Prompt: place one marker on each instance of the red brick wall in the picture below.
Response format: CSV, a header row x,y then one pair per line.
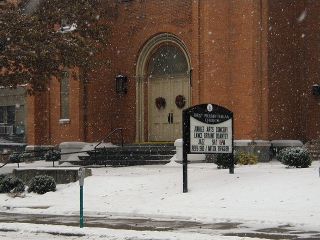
x,y
293,49
310,54
284,70
229,70
43,115
73,130
101,95
37,119
224,53
246,55
135,23
221,37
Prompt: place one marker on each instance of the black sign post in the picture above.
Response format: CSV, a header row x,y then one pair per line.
x,y
207,129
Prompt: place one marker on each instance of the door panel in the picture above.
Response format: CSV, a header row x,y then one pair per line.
x,y
180,86
159,127
166,124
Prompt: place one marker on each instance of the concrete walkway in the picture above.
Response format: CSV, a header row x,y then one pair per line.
x,y
149,224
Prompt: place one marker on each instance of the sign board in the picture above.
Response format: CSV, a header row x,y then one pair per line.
x,y
210,129
81,174
207,129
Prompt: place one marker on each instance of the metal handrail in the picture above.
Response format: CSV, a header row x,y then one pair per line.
x,y
6,129
95,148
110,134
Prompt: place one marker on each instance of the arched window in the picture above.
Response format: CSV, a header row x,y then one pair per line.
x,y
168,60
64,95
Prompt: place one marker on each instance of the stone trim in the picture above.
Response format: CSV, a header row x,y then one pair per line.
x,y
142,60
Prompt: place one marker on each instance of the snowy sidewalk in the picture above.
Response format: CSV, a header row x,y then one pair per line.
x,y
153,226
51,232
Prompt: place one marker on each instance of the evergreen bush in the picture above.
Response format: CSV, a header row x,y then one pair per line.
x,y
245,158
25,157
11,184
15,157
42,184
52,155
223,161
2,176
295,157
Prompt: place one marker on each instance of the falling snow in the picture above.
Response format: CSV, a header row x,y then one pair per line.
x,y
302,16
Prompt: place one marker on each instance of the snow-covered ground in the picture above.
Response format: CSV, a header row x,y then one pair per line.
x,y
266,193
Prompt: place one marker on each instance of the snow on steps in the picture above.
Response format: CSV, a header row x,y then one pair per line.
x,y
108,154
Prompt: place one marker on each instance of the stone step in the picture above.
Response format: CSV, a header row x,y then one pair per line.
x,y
123,162
125,157
133,151
129,155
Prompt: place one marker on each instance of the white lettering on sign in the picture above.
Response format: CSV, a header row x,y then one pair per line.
x,y
210,138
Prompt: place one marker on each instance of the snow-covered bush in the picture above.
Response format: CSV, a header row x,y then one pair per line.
x,y
2,176
295,157
52,155
25,157
20,157
245,158
15,157
42,184
11,184
223,160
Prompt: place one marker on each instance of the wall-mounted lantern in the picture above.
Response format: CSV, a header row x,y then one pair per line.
x,y
316,89
121,84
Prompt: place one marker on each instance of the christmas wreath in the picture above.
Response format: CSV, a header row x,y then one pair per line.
x,y
180,101
160,102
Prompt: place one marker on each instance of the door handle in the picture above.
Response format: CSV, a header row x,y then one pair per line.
x,y
170,118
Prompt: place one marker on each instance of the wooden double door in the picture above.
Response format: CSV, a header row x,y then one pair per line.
x,y
167,97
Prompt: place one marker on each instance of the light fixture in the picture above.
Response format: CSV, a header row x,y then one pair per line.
x,y
121,84
316,90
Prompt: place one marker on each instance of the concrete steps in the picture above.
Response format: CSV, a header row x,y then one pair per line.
x,y
129,155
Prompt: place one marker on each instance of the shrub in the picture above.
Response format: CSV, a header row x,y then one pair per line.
x,y
11,184
15,157
25,156
223,160
42,184
295,157
245,158
52,155
2,176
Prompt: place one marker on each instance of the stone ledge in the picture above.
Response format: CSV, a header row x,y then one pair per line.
x,y
60,175
286,143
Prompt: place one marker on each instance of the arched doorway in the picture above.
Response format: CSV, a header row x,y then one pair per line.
x,y
163,89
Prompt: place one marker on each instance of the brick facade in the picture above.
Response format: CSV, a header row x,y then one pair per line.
x,y
244,55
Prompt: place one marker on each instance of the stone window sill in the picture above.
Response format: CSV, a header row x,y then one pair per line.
x,y
64,121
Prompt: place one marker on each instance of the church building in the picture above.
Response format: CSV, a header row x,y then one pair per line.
x,y
258,58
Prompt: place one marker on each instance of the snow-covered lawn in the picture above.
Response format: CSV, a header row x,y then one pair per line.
x,y
266,192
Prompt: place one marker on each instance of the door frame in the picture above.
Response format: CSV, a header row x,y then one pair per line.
x,y
141,77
